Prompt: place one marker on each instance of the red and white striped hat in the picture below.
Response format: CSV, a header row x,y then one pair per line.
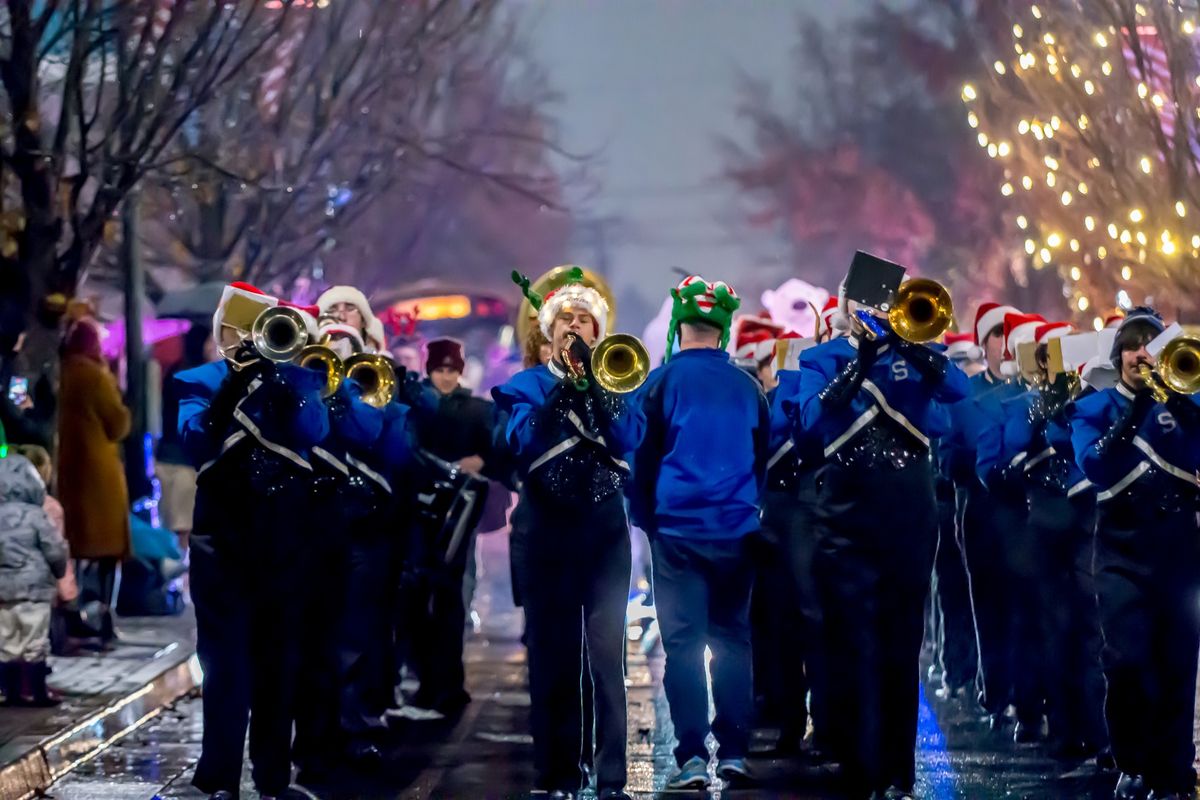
x,y
754,337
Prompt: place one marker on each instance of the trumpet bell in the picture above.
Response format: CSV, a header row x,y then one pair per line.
x,y
1179,364
923,310
620,363
320,357
375,374
279,334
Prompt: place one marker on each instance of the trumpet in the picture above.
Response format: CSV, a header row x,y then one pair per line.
x,y
280,334
923,311
1178,369
322,357
620,363
376,376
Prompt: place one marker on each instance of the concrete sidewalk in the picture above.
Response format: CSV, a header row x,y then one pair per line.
x,y
106,696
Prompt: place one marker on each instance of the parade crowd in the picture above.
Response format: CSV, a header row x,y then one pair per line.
x,y
816,508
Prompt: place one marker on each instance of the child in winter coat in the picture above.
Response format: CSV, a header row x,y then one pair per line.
x,y
33,556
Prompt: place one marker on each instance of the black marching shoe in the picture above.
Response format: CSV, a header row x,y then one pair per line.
x,y
1170,796
221,795
1028,732
1130,787
896,793
613,794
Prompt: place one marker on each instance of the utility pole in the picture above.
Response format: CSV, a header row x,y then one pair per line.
x,y
135,351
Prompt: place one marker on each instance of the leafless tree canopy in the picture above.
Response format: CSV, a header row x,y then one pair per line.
x,y
1093,112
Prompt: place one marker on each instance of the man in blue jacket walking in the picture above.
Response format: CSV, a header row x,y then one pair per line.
x,y
1143,455
700,474
875,403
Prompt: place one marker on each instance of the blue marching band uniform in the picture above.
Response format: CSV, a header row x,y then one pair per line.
x,y
1063,524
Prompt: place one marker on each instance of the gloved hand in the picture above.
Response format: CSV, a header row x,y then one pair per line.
x,y
229,394
1123,429
932,365
845,384
1184,410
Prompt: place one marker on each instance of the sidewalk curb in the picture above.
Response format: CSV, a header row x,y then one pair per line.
x,y
33,772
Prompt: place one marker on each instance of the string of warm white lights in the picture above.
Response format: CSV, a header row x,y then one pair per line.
x,y
1094,122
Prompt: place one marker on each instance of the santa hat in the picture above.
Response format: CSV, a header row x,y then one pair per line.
x,y
340,330
754,337
445,352
573,293
1114,320
252,302
1051,330
962,347
372,327
832,318
988,317
1018,329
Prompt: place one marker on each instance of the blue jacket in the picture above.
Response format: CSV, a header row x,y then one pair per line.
x,y
701,469
290,436
522,398
788,436
973,420
1029,448
1161,446
892,387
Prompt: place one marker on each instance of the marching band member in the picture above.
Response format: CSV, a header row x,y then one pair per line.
x,y
1061,517
980,536
1021,562
248,426
1142,455
790,508
875,403
572,440
698,512
349,305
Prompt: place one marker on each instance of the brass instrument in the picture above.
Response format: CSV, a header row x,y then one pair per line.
x,y
322,357
1179,364
376,376
279,334
620,363
1178,369
923,310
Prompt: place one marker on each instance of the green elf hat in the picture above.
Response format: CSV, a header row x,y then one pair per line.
x,y
697,300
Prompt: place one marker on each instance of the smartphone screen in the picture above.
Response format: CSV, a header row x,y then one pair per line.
x,y
18,390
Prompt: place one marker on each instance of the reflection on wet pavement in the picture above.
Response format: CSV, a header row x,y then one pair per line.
x,y
488,753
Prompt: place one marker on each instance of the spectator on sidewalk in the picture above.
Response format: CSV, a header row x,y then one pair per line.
x,y
64,621
91,478
176,475
33,555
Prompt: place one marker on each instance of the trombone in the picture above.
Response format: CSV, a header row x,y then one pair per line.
x,y
923,311
1178,369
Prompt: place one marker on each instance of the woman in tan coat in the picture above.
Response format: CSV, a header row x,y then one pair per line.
x,y
92,420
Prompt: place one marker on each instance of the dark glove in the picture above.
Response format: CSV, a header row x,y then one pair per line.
x,y
932,365
583,354
845,384
228,395
1123,429
1184,410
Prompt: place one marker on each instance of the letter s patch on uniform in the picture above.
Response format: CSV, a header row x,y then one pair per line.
x,y
900,370
1167,422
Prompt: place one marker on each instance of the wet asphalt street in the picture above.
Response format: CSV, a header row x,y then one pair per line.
x,y
487,753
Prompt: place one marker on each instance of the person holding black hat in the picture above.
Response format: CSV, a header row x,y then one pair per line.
x,y
459,433
1143,455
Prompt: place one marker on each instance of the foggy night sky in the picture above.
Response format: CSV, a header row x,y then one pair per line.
x,y
652,85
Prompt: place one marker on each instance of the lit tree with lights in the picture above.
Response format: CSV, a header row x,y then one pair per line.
x,y
1093,114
